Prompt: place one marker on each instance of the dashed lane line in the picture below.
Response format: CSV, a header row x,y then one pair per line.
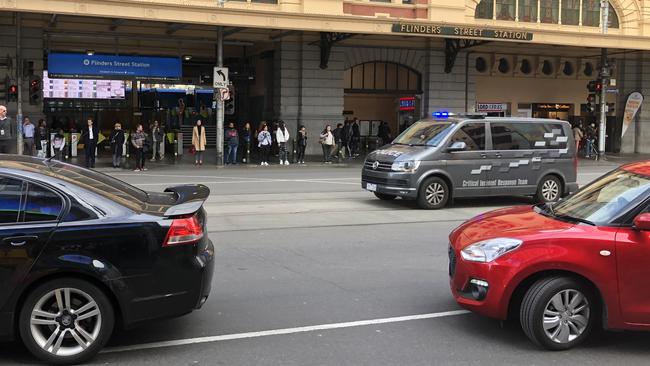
x,y
285,331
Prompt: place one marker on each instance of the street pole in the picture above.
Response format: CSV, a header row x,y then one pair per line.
x,y
604,76
220,110
19,83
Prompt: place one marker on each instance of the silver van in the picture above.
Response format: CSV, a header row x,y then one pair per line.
x,y
439,159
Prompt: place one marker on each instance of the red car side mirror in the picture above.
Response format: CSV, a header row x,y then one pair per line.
x,y
642,222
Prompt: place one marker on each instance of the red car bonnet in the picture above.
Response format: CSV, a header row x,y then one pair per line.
x,y
515,222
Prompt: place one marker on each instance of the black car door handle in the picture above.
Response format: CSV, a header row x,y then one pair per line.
x,y
19,241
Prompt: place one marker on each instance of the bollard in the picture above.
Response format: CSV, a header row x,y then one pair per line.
x,y
248,152
293,147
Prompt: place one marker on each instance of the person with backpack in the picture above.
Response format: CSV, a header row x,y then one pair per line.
x,y
339,142
302,144
117,143
282,137
232,139
327,142
264,143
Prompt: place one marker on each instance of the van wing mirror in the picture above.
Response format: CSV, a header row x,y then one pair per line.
x,y
457,146
642,222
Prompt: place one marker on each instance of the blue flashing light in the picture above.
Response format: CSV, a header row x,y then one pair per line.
x,y
441,114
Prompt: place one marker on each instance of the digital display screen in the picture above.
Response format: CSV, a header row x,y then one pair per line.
x,y
82,88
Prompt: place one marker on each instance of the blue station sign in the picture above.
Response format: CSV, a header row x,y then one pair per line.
x,y
79,65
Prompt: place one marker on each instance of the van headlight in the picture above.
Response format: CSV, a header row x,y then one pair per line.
x,y
408,166
489,250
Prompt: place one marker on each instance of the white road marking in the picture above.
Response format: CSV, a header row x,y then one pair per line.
x,y
266,333
168,184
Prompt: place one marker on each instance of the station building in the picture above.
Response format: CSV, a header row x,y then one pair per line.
x,y
318,62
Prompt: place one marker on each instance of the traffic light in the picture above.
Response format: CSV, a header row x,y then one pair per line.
x,y
34,90
595,86
12,93
591,103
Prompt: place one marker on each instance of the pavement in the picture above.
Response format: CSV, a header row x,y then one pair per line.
x,y
312,270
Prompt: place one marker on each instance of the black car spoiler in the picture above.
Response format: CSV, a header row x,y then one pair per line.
x,y
189,199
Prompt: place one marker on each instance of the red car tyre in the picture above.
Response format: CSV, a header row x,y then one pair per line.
x,y
558,313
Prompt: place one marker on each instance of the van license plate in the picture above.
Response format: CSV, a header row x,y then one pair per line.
x,y
371,187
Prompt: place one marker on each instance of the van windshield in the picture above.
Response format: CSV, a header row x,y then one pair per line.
x,y
425,134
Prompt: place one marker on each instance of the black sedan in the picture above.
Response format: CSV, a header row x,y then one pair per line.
x,y
82,252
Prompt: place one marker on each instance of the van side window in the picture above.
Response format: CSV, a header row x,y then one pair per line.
x,y
472,134
526,136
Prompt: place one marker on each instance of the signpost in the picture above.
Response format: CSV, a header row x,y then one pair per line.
x,y
221,78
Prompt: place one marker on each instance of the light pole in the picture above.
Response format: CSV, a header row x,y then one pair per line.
x,y
220,110
604,77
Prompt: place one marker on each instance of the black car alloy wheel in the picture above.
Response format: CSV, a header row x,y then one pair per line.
x,y
66,321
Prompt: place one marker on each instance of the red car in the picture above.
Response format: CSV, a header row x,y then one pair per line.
x,y
562,269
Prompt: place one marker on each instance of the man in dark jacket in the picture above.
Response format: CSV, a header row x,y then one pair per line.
x,y
347,137
89,137
7,132
117,144
384,133
339,141
355,138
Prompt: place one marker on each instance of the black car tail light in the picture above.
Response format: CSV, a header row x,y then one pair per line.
x,y
184,231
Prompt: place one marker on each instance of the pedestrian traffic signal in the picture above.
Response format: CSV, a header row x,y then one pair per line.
x,y
595,86
12,93
34,90
591,103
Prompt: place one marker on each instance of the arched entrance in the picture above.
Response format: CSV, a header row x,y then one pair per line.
x,y
382,91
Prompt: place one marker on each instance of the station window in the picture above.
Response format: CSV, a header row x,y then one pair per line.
x,y
528,10
571,12
505,9
387,77
546,11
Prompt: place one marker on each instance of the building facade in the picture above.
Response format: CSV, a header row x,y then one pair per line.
x,y
317,62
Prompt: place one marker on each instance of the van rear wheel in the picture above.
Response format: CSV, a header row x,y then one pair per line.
x,y
433,194
385,197
549,189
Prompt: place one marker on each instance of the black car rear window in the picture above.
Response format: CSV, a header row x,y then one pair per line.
x,y
102,184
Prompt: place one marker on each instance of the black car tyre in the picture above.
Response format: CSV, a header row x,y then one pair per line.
x,y
385,197
549,189
433,193
558,313
66,321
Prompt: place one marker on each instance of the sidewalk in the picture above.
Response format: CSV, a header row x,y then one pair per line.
x,y
186,161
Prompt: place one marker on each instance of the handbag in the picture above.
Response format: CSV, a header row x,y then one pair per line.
x,y
192,150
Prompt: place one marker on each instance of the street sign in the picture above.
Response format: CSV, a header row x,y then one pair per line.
x,y
220,77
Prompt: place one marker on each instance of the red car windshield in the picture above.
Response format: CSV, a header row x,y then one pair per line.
x,y
607,198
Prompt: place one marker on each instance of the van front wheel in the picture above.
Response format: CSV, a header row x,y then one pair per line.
x,y
433,194
549,189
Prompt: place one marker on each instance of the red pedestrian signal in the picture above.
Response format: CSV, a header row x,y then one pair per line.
x,y
12,93
34,90
595,86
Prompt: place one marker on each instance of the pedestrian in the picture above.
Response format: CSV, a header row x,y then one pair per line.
x,y
578,135
302,144
590,139
59,144
327,142
339,141
41,138
232,139
138,140
117,144
158,138
89,139
282,137
198,142
246,135
383,132
29,131
347,137
264,143
7,132
356,138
